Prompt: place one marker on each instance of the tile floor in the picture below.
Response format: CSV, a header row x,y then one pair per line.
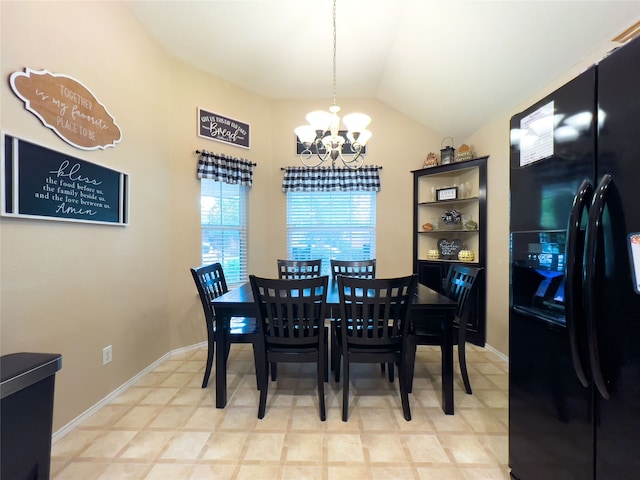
x,y
166,427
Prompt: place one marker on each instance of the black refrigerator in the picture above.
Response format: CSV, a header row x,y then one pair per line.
x,y
574,332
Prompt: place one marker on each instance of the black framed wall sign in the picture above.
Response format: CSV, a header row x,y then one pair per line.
x,y
223,129
40,183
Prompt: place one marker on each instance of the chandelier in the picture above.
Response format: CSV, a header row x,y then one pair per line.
x,y
322,134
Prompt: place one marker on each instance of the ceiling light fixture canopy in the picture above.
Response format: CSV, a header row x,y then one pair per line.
x,y
323,130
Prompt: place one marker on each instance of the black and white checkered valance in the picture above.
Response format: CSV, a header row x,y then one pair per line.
x,y
328,179
224,168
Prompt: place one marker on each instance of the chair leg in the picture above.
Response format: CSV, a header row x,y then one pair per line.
x,y
258,353
336,366
462,359
404,394
264,383
345,390
411,362
391,372
334,350
326,354
332,356
210,351
321,375
274,371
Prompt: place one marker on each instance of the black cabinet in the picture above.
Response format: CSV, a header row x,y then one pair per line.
x,y
449,222
26,410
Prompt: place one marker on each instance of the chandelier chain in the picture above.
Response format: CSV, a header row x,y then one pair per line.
x,y
334,52
323,133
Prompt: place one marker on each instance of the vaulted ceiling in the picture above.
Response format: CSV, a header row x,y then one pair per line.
x,y
451,65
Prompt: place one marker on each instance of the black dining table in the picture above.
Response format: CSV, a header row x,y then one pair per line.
x,y
427,303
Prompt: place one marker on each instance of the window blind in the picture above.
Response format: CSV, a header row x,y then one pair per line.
x,y
223,214
339,225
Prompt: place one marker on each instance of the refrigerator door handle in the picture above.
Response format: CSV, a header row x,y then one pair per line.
x,y
593,233
573,290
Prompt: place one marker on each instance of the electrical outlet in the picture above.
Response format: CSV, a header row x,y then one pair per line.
x,y
107,355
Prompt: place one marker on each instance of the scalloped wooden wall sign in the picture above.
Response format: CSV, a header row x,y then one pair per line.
x,y
67,107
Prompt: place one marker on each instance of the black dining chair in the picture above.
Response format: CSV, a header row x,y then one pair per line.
x,y
373,328
354,268
296,269
359,269
292,316
211,283
460,285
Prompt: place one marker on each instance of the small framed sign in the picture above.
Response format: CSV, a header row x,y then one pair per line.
x,y
449,248
449,193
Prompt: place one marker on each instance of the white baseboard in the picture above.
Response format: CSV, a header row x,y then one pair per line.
x,y
83,416
500,354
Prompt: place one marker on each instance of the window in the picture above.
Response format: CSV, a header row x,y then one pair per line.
x,y
223,214
339,225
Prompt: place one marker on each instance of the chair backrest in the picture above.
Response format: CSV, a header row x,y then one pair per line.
x,y
459,286
292,312
375,312
297,269
354,268
210,282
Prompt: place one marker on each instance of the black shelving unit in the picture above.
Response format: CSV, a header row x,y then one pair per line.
x,y
468,180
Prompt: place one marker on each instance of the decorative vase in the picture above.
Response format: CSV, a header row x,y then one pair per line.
x,y
468,223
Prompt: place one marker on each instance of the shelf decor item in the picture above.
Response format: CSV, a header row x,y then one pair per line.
x,y
465,256
433,254
447,154
451,220
449,193
430,161
464,153
468,223
449,248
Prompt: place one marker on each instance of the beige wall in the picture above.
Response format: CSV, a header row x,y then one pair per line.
x,y
74,288
191,89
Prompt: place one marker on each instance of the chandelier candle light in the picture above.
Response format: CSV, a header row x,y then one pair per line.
x,y
323,130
